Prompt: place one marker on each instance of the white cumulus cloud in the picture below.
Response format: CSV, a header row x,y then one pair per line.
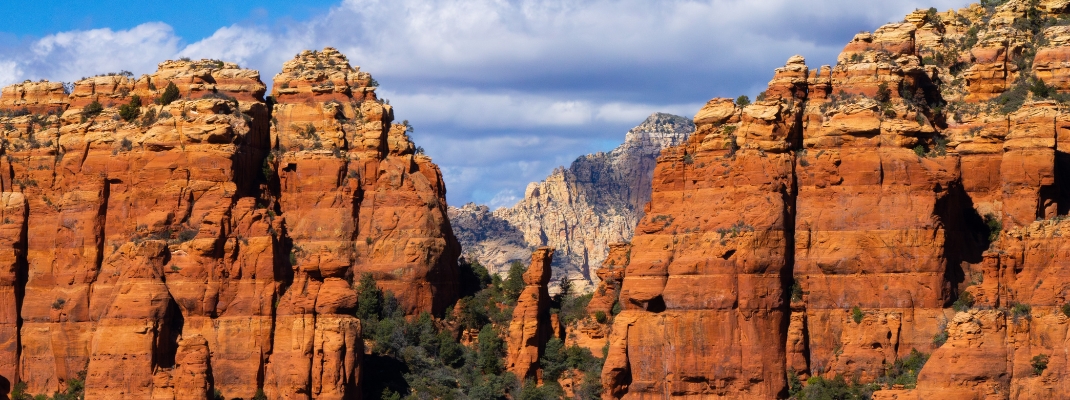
x,y
68,56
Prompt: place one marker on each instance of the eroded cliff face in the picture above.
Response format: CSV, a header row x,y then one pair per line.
x,y
578,210
828,228
209,243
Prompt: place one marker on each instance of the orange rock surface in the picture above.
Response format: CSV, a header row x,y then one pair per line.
x,y
530,327
829,228
209,244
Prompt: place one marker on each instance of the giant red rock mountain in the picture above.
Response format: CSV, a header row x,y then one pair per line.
x,y
828,228
210,242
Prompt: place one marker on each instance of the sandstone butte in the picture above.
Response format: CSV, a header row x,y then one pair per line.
x,y
828,228
210,242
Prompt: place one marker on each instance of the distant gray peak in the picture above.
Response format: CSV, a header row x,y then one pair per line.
x,y
660,130
578,209
471,207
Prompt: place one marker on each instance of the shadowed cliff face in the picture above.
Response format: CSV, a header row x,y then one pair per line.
x,y
828,228
578,210
209,241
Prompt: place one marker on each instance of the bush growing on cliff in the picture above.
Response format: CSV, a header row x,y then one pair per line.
x,y
14,113
994,227
130,111
743,101
149,117
1021,310
796,291
905,370
92,110
532,391
964,302
617,307
940,338
856,314
884,95
992,3
75,390
170,94
837,388
1039,364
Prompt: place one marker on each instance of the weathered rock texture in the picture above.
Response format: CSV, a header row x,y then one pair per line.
x,y
209,243
579,210
828,228
531,328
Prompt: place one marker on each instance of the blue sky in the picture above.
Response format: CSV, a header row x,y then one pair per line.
x,y
500,91
191,19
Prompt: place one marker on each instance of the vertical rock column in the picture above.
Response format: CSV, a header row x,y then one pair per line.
x,y
530,328
317,340
871,229
12,271
703,291
356,199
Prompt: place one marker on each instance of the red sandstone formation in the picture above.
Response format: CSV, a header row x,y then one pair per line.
x,y
827,229
702,292
35,97
209,243
531,328
610,277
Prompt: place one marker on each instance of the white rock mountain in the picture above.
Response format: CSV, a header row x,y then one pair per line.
x,y
578,210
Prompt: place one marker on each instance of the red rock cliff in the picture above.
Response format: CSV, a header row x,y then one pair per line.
x,y
209,243
828,228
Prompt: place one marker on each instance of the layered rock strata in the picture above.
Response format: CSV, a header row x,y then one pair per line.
x,y
209,243
578,210
828,228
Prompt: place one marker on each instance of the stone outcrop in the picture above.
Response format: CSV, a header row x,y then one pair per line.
x,y
828,228
578,210
530,327
209,243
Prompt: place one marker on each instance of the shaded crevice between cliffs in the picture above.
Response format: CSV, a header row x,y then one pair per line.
x,y
965,237
22,277
790,196
1062,182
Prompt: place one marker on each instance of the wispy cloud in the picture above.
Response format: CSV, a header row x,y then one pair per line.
x,y
68,56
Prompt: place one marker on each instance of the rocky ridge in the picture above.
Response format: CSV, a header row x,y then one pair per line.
x,y
176,234
578,210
